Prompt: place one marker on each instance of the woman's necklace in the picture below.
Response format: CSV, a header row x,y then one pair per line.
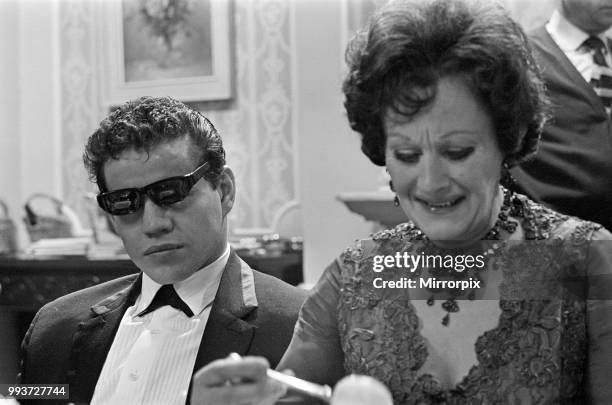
x,y
512,206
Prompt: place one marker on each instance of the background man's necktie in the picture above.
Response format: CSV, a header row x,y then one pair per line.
x,y
602,77
167,295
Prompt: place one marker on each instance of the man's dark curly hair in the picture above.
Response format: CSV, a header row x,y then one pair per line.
x,y
408,46
147,122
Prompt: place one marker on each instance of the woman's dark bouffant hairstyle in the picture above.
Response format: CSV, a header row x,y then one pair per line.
x,y
396,63
147,122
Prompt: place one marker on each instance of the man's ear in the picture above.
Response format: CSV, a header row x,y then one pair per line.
x,y
227,189
110,223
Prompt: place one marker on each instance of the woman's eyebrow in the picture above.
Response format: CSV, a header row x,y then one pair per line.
x,y
460,132
444,137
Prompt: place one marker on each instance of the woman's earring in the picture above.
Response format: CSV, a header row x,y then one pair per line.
x,y
506,178
395,199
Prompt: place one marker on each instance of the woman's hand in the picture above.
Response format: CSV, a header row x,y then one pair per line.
x,y
235,381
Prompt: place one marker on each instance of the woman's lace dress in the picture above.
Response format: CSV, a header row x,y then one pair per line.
x,y
552,343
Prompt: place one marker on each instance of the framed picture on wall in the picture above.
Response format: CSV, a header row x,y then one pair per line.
x,y
179,48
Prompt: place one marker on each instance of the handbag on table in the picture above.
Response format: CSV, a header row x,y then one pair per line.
x,y
49,225
8,233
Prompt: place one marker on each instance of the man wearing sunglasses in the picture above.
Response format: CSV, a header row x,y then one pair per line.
x,y
160,167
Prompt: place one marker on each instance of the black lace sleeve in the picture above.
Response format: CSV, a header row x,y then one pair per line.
x,y
599,317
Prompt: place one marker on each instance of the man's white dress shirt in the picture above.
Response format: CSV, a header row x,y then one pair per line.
x,y
570,38
152,357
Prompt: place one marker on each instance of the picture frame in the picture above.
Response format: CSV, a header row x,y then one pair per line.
x,y
177,48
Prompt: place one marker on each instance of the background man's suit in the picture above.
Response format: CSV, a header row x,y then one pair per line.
x,y
572,171
67,344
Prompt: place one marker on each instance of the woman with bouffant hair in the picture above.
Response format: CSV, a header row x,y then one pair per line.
x,y
397,62
446,95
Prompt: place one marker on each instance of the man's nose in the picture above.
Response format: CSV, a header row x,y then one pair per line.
x,y
155,220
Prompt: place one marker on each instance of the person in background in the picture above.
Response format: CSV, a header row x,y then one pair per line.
x,y
572,171
160,167
446,94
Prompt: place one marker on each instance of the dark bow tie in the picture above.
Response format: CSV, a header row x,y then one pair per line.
x,y
167,295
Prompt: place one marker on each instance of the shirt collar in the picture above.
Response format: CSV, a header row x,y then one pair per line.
x,y
198,290
567,35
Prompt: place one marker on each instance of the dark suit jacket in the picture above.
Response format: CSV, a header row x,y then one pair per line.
x,y
572,171
69,338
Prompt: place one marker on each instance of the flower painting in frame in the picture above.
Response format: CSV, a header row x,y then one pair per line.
x,y
179,48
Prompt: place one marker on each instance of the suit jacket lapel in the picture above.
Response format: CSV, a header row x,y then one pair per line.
x,y
557,56
228,329
93,339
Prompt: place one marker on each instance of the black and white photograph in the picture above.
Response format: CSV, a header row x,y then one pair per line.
x,y
344,202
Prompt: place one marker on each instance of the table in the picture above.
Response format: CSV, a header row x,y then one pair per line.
x,y
28,284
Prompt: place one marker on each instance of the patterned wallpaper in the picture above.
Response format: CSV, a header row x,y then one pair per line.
x,y
80,106
257,125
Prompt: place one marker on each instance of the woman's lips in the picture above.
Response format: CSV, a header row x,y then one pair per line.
x,y
164,247
438,205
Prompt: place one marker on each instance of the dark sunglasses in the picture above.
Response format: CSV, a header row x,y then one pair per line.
x,y
163,193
